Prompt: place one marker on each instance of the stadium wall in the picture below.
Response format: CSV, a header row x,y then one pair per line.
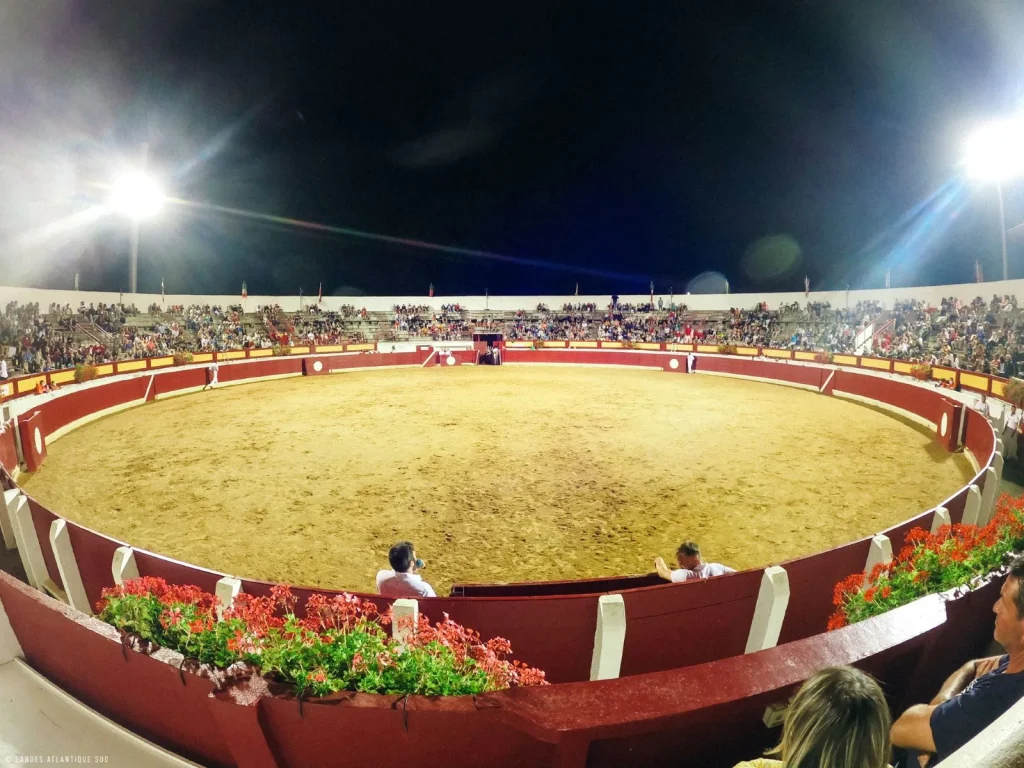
x,y
662,698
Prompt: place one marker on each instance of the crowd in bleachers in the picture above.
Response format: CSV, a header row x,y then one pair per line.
x,y
978,335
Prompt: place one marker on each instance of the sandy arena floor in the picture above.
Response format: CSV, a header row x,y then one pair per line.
x,y
496,474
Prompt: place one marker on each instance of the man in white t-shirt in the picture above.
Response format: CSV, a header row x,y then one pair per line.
x,y
981,406
403,580
691,362
690,565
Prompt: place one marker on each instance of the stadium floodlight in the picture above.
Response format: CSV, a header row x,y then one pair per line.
x,y
137,196
995,153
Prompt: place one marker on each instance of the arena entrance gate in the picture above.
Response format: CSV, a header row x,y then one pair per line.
x,y
490,346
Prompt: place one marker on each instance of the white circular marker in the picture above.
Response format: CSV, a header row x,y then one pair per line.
x,y
318,366
450,360
673,363
39,441
944,425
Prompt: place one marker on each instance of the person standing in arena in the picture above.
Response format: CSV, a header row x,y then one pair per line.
x,y
690,565
402,580
211,373
691,362
1010,433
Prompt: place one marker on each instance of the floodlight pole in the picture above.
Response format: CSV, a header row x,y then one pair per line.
x,y
1002,229
133,265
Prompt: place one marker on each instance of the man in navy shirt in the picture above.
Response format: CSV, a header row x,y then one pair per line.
x,y
976,694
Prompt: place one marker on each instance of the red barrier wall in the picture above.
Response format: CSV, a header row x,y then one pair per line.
x,y
75,404
578,587
95,555
811,580
662,622
918,400
8,449
176,572
42,519
796,374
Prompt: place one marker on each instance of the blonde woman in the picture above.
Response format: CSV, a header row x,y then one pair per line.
x,y
838,719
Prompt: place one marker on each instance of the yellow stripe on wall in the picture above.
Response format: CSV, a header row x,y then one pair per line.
x,y
162,362
202,357
359,347
998,388
870,362
583,344
944,374
777,353
520,344
297,350
234,355
647,345
844,359
104,370
706,348
260,352
611,345
27,385
804,355
131,365
973,380
62,377
752,351
902,367
559,344
330,348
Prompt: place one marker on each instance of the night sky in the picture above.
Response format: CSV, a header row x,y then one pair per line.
x,y
609,144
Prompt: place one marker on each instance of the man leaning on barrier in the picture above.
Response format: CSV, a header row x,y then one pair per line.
x,y
690,565
976,694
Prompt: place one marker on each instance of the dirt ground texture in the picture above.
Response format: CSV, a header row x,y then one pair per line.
x,y
496,474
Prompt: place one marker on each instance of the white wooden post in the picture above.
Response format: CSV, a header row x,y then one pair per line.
x,y
880,552
998,462
226,591
609,638
28,542
772,601
64,554
972,508
10,648
6,527
124,567
407,613
1000,421
940,519
988,496
999,446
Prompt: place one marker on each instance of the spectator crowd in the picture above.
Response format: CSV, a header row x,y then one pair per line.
x,y
979,335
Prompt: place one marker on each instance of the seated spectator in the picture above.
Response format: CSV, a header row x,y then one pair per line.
x,y
690,565
403,580
974,695
838,719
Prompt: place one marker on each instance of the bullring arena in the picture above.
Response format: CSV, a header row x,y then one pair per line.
x,y
498,474
534,489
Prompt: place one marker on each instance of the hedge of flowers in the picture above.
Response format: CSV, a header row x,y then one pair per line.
x,y
954,556
342,644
